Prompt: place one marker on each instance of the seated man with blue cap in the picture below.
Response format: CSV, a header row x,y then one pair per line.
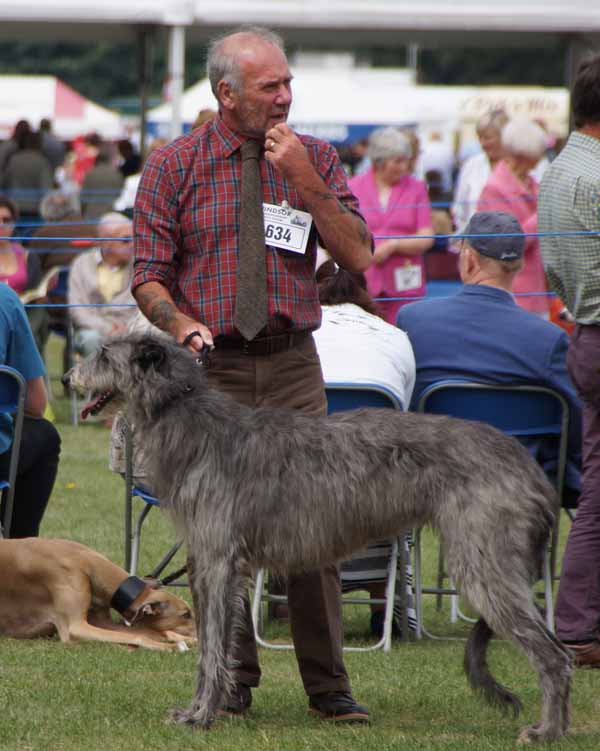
x,y
481,334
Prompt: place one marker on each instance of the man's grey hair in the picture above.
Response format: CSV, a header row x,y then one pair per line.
x,y
56,205
496,266
222,66
522,137
388,143
108,222
492,120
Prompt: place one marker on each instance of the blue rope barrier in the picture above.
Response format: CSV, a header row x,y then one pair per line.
x,y
574,233
377,299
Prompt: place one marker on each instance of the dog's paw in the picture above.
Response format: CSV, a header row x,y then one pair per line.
x,y
174,636
190,718
538,734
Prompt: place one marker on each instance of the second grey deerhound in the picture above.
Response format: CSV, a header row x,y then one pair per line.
x,y
271,488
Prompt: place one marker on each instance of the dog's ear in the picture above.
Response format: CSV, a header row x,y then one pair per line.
x,y
154,608
150,353
152,582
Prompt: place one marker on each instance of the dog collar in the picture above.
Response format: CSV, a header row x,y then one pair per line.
x,y
126,594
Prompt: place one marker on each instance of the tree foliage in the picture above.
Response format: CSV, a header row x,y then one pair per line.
x,y
105,70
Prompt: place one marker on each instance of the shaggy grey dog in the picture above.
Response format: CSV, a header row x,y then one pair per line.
x,y
285,491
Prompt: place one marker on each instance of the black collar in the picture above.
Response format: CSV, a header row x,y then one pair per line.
x,y
127,593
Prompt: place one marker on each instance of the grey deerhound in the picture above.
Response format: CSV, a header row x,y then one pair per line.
x,y
253,488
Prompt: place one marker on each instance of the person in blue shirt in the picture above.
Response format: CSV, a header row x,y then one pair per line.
x,y
481,334
40,441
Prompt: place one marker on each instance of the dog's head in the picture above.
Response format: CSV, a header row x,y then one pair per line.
x,y
146,370
159,610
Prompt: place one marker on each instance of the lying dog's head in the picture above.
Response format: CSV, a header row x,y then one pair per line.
x,y
159,610
145,370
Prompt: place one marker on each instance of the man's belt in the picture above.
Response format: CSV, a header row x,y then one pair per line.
x,y
264,345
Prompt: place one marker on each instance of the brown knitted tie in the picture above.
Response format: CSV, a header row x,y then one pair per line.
x,y
251,307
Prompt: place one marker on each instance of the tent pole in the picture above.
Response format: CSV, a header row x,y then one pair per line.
x,y
145,78
175,77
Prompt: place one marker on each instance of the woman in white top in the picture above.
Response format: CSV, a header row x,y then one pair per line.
x,y
356,345
476,170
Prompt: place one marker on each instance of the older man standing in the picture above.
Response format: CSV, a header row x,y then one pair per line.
x,y
569,202
101,278
226,226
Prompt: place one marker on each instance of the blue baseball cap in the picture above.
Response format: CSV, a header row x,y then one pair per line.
x,y
506,241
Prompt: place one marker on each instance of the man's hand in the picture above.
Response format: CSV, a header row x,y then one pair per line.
x,y
157,305
286,152
185,326
343,233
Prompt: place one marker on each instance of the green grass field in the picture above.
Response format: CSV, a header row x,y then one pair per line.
x,y
56,697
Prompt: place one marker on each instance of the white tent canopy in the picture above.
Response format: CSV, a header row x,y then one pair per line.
x,y
344,105
78,20
440,15
35,97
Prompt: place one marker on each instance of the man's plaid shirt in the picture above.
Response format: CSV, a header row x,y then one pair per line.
x,y
186,229
569,201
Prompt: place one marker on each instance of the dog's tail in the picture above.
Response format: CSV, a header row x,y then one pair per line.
x,y
478,672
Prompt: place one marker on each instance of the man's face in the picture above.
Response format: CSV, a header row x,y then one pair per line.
x,y
118,250
265,94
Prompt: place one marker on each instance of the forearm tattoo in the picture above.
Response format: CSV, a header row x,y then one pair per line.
x,y
163,314
158,311
363,232
322,195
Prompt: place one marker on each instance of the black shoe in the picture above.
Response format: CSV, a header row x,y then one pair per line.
x,y
238,703
338,707
377,619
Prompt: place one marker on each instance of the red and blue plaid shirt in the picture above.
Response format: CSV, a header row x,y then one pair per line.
x,y
186,229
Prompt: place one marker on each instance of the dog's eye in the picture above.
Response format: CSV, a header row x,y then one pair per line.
x,y
187,614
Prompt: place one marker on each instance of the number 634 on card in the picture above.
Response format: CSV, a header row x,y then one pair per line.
x,y
286,228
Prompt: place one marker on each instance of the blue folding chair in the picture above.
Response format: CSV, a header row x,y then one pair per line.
x,y
13,389
340,398
133,532
518,410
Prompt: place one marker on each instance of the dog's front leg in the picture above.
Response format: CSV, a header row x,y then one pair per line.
x,y
216,594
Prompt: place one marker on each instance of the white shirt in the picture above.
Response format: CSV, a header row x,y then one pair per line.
x,y
358,347
472,178
126,199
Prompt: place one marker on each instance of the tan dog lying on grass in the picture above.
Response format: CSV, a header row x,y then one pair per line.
x,y
59,586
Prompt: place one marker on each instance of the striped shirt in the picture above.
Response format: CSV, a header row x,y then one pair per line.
x,y
186,229
569,201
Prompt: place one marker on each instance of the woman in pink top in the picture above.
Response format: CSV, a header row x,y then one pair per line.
x,y
13,258
511,188
394,204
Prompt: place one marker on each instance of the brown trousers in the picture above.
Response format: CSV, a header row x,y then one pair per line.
x,y
291,379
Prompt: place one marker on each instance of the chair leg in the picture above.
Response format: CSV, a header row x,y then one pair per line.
x,y
136,538
256,611
384,643
160,567
390,590
441,575
403,559
418,584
